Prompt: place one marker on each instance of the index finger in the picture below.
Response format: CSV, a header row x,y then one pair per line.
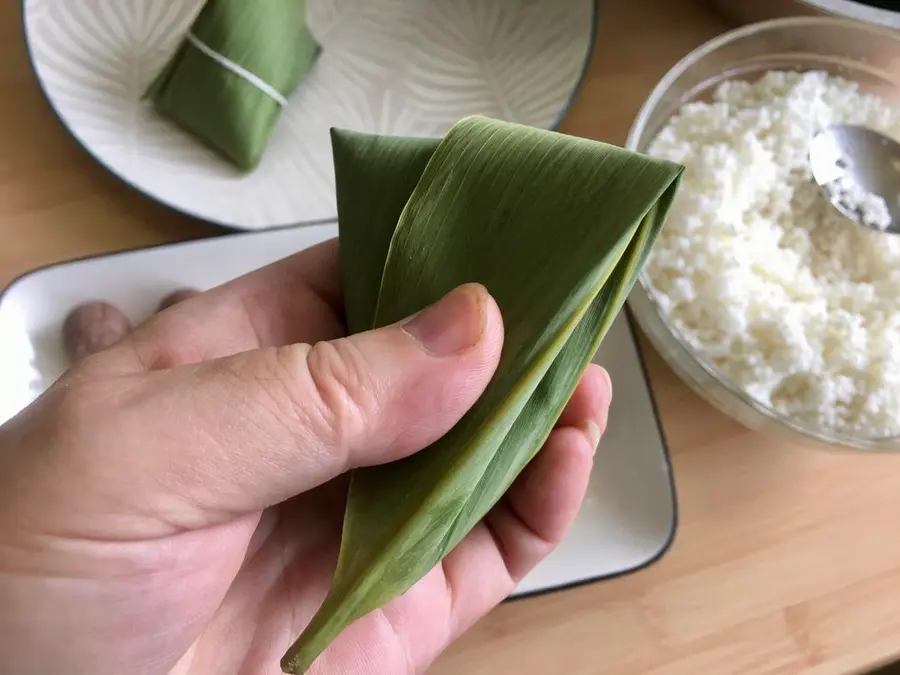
x,y
296,299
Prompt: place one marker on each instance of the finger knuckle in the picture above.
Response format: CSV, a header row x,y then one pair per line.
x,y
71,404
73,412
343,390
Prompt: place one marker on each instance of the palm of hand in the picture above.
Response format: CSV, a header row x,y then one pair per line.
x,y
282,581
164,564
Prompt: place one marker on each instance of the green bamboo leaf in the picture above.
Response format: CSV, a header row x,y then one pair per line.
x,y
269,39
557,228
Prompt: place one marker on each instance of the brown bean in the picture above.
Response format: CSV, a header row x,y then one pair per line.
x,y
92,327
176,297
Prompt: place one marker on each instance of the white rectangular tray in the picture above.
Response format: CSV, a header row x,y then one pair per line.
x,y
627,521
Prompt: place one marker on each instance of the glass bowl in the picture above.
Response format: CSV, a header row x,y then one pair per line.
x,y
860,52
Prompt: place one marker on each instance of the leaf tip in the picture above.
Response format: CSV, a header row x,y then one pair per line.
x,y
289,666
298,659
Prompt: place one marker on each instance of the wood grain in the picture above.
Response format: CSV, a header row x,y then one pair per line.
x,y
786,560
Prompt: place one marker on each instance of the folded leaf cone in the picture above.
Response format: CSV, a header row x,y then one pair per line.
x,y
557,228
268,39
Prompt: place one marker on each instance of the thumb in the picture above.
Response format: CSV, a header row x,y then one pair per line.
x,y
262,426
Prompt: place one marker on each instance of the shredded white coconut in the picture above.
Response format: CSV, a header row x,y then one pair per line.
x,y
789,300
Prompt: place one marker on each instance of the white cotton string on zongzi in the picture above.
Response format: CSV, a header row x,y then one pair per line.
x,y
238,70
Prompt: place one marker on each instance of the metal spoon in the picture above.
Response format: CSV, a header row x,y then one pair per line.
x,y
854,166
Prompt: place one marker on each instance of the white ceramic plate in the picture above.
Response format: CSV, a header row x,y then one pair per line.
x,y
399,67
627,521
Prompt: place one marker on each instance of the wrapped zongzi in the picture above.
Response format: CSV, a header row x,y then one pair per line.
x,y
231,76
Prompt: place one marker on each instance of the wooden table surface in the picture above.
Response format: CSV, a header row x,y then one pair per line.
x,y
786,560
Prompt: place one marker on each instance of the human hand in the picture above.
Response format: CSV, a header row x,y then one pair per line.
x,y
173,504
